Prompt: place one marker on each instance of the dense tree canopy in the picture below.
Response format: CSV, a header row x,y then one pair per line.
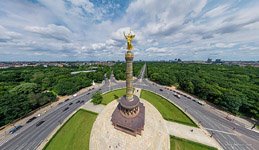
x,y
22,90
234,88
119,70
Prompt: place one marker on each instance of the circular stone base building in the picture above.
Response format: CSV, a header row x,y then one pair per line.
x,y
129,116
105,136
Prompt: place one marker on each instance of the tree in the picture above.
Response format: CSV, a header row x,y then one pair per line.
x,y
97,98
232,100
187,86
65,87
26,88
231,87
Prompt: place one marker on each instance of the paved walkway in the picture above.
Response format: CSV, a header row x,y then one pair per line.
x,y
94,108
191,133
137,92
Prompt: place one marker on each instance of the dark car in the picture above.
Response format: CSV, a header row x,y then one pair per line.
x,y
78,101
60,103
16,128
31,119
87,93
70,103
66,109
161,89
67,100
82,102
40,123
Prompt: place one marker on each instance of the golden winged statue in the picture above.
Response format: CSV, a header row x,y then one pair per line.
x,y
129,37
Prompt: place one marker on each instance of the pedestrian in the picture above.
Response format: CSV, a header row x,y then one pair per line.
x,y
212,133
253,126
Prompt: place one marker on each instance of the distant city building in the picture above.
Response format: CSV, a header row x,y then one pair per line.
x,y
209,60
218,61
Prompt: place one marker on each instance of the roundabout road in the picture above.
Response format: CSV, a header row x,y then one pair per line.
x,y
30,136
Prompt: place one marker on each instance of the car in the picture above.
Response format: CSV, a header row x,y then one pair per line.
x,y
67,100
66,109
87,93
177,95
194,100
16,128
190,97
31,119
71,103
161,89
100,89
201,102
82,102
78,101
74,95
60,103
40,123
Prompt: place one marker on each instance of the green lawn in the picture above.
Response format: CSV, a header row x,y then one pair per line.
x,y
183,144
110,96
75,133
168,110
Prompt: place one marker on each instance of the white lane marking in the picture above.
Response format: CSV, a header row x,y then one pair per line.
x,y
222,144
220,131
211,124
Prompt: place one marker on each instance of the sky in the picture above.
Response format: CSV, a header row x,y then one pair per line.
x,y
84,30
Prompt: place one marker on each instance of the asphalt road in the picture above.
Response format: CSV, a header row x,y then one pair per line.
x,y
221,128
238,139
30,136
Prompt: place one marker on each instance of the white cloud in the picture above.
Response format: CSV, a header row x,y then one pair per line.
x,y
52,31
217,11
83,29
6,35
85,4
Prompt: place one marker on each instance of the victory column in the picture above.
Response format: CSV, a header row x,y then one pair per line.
x,y
129,115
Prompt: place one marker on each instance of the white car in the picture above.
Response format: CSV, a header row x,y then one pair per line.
x,y
177,95
199,102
